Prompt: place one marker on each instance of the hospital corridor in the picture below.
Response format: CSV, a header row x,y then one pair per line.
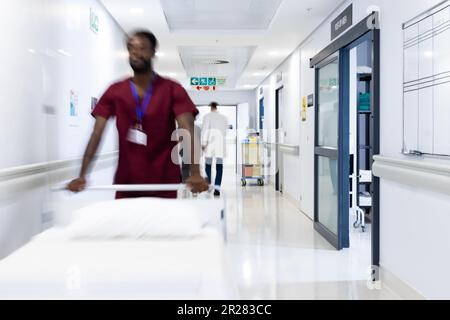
x,y
276,254
238,151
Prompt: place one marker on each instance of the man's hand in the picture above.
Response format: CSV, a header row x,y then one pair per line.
x,y
77,185
197,184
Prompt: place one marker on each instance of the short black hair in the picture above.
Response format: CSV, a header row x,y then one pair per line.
x,y
214,105
146,34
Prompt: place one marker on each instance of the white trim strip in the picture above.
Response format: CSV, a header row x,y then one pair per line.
x,y
419,174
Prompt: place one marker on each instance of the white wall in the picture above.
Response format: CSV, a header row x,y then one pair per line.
x,y
290,118
414,242
49,50
417,251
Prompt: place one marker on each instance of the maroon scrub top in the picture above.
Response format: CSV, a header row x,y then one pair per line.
x,y
151,164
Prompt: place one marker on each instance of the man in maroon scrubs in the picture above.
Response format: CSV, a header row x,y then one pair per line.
x,y
146,108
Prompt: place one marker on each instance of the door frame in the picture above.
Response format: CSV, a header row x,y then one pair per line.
x,y
262,116
366,27
278,156
341,154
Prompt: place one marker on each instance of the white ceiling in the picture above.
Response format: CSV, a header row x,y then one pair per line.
x,y
219,15
292,22
197,61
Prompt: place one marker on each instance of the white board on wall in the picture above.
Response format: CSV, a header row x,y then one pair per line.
x,y
426,88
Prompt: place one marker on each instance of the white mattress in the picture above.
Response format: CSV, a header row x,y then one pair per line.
x,y
55,267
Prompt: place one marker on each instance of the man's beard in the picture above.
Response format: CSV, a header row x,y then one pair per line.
x,y
144,67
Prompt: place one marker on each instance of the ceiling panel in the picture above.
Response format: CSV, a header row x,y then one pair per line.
x,y
219,14
289,22
199,61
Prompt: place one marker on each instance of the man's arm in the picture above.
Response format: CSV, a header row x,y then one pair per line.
x,y
196,182
79,184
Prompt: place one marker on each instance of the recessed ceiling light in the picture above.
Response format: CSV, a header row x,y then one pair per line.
x,y
215,61
136,10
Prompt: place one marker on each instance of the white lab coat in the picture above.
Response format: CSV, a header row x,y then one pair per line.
x,y
214,134
184,147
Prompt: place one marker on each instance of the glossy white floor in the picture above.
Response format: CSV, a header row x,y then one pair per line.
x,y
276,254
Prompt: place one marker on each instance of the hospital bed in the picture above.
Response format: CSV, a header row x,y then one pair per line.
x,y
123,255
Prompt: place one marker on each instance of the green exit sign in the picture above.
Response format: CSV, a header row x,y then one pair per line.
x,y
94,21
208,81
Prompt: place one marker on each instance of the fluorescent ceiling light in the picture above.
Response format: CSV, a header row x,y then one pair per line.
x,y
160,54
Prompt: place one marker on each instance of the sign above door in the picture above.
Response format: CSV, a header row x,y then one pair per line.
x,y
342,22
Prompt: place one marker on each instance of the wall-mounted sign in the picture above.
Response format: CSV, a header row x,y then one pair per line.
x,y
311,100
94,21
342,22
73,109
279,77
304,112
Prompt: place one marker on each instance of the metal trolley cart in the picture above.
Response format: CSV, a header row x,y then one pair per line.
x,y
252,165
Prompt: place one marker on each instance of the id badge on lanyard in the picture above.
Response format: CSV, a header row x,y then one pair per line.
x,y
137,136
136,133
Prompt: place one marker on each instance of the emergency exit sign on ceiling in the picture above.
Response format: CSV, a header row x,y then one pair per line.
x,y
207,83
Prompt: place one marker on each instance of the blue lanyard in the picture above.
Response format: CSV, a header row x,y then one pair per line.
x,y
141,109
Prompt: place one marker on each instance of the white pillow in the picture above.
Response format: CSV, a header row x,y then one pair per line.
x,y
139,218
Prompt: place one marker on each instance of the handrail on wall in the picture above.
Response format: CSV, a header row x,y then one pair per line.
x,y
418,174
20,171
291,148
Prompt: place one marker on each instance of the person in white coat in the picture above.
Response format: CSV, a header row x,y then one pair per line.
x,y
214,132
